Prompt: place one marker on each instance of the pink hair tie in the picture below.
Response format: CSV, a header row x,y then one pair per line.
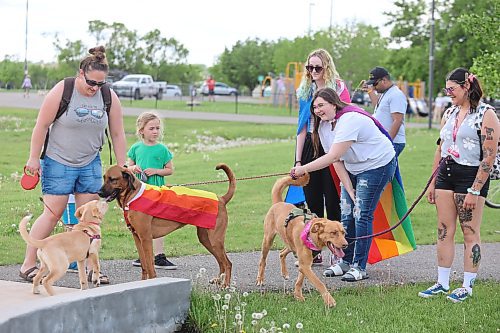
x,y
471,77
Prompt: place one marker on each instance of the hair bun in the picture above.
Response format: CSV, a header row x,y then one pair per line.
x,y
99,52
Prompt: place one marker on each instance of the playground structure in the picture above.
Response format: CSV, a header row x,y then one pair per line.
x,y
281,88
415,92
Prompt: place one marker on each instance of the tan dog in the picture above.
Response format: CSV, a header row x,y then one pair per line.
x,y
58,251
323,233
120,183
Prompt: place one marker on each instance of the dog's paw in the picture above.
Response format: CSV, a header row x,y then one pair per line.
x,y
36,290
259,281
286,277
299,297
84,285
329,301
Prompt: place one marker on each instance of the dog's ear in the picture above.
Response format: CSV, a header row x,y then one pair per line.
x,y
317,227
79,212
130,178
96,212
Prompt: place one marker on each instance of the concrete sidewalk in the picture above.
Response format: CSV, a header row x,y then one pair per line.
x,y
8,99
417,266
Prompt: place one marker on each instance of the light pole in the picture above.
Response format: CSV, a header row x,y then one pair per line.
x,y
26,43
431,65
331,14
311,4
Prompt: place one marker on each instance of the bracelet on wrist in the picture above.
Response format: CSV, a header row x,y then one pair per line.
x,y
473,191
298,162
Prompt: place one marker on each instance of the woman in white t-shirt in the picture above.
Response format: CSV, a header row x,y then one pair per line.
x,y
364,159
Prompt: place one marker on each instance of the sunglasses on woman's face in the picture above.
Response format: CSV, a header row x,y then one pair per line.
x,y
317,69
93,83
449,90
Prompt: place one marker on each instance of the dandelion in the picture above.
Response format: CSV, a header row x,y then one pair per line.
x,y
227,297
254,322
259,315
262,330
264,312
299,326
286,326
245,294
225,307
237,308
203,270
216,297
237,316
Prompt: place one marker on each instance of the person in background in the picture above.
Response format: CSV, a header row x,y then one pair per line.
x,y
151,161
468,144
211,88
320,72
390,105
26,86
365,161
72,163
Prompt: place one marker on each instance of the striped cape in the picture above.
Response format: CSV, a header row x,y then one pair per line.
x,y
177,203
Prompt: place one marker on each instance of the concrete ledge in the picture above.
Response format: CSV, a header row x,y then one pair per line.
x,y
156,305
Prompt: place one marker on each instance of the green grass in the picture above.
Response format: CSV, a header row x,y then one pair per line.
x,y
359,309
252,198
266,109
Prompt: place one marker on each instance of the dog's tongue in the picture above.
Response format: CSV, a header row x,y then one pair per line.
x,y
337,252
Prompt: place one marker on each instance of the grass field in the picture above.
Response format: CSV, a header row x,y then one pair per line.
x,y
252,150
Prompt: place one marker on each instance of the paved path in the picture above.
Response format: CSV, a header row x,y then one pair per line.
x,y
417,266
8,99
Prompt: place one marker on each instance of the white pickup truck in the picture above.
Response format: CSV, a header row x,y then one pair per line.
x,y
139,86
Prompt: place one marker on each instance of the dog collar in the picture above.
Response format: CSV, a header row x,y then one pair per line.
x,y
304,235
138,195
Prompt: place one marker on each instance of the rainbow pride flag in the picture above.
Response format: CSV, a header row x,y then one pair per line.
x,y
390,209
177,203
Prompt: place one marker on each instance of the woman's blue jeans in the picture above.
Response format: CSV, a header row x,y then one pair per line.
x,y
357,217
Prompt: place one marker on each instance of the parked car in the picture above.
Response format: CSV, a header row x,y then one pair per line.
x,y
139,86
220,89
172,90
360,97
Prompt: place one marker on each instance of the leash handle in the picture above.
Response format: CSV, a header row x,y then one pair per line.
x,y
408,211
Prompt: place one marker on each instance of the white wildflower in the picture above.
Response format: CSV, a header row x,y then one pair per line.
x,y
299,326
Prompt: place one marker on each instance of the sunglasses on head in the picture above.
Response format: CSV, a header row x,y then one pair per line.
x,y
310,68
93,83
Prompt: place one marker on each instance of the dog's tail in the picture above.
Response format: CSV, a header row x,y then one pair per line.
x,y
26,236
281,183
232,182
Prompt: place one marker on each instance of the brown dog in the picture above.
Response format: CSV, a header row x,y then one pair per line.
x,y
322,233
58,251
120,183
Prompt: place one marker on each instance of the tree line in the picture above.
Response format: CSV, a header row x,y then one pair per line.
x,y
466,35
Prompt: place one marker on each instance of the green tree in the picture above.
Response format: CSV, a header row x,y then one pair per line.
x,y
484,27
242,65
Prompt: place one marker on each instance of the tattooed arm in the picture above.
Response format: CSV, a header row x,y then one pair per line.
x,y
490,132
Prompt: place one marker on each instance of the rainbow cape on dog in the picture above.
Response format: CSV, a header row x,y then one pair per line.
x,y
177,203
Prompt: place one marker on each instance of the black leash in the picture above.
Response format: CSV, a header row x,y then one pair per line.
x,y
409,210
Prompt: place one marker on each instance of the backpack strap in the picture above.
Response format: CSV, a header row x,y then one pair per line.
x,y
69,85
106,98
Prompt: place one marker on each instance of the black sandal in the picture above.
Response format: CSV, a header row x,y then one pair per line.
x,y
103,279
29,274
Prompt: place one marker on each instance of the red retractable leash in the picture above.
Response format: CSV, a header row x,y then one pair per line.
x,y
29,182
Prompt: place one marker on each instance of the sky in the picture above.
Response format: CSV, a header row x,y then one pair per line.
x,y
204,27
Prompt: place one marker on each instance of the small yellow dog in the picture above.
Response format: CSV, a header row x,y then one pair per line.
x,y
58,251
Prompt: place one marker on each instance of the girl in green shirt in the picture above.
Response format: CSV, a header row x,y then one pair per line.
x,y
151,161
